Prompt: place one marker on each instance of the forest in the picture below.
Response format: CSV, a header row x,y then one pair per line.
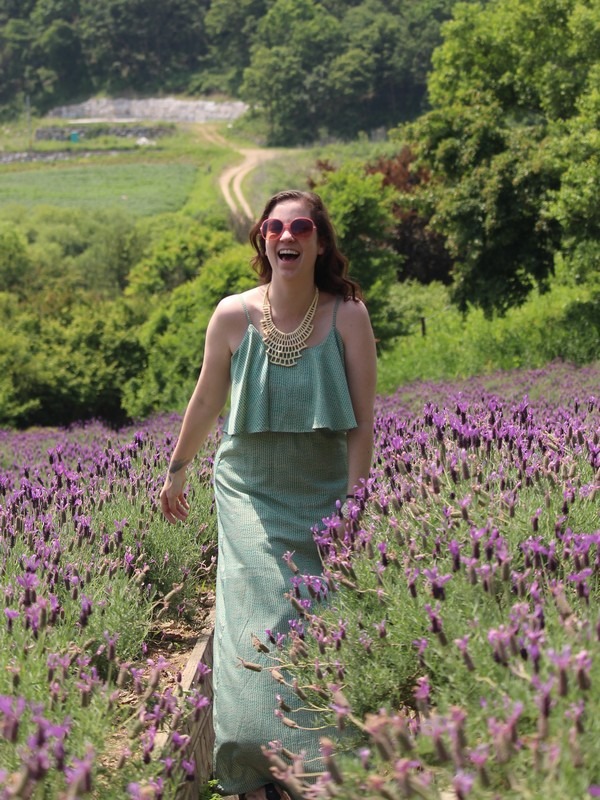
x,y
483,188
309,66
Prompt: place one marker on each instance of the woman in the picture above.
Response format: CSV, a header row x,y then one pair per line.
x,y
298,354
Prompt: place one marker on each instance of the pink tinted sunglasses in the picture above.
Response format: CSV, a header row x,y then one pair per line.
x,y
273,228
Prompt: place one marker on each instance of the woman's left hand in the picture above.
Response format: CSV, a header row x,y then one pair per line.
x,y
173,502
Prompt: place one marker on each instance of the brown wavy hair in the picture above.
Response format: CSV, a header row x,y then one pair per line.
x,y
331,267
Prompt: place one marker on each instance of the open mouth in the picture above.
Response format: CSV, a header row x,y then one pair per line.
x,y
288,255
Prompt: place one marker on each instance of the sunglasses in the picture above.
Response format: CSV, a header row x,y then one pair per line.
x,y
300,227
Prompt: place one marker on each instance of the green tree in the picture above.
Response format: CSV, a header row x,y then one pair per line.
x,y
397,39
533,56
231,28
19,370
73,252
176,257
173,335
16,268
60,71
15,69
361,209
142,44
341,68
81,362
15,9
574,205
506,80
349,90
297,40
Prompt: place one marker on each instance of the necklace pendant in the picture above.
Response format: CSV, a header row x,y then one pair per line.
x,y
284,349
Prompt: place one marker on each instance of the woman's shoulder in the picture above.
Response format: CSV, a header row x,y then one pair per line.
x,y
353,323
231,317
235,305
351,311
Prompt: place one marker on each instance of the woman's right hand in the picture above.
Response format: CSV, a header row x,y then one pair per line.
x,y
173,503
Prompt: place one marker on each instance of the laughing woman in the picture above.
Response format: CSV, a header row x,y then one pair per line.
x,y
297,353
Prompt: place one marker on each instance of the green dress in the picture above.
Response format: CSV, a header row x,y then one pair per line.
x,y
280,468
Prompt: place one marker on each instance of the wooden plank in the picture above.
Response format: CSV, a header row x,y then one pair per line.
x,y
200,731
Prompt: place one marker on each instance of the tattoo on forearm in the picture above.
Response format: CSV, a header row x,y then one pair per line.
x,y
175,466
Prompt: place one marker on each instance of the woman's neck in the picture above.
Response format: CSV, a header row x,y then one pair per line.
x,y
288,298
289,303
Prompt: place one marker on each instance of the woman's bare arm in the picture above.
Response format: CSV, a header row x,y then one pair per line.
x,y
205,405
361,371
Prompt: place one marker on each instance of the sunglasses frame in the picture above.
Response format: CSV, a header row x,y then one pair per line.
x,y
268,235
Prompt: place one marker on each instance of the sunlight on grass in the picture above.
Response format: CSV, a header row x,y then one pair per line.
x,y
141,188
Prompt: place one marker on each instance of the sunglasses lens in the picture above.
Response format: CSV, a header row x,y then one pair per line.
x,y
302,226
271,228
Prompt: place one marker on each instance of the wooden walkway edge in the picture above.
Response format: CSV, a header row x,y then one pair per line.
x,y
200,731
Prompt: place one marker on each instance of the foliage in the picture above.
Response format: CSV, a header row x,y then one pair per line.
x,y
82,286
292,36
501,49
361,211
501,244
173,334
231,27
573,204
422,251
175,257
358,66
61,50
510,141
16,267
340,77
80,356
91,573
73,367
451,642
67,253
443,343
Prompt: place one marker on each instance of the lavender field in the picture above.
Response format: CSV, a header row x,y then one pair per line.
x,y
88,567
458,650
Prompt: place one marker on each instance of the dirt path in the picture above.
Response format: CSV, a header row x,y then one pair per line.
x,y
230,181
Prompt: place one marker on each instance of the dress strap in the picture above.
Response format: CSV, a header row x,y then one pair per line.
x,y
338,300
243,302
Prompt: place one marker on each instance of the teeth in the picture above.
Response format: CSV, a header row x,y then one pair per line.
x,y
288,252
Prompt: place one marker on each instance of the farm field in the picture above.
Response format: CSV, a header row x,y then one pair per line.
x,y
142,189
466,591
454,634
449,646
182,167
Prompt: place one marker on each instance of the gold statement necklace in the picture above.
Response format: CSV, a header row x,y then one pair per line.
x,y
284,349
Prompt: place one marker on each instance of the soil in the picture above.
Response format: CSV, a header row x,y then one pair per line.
x,y
174,640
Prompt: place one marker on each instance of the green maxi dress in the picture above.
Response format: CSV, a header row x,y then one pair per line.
x,y
280,468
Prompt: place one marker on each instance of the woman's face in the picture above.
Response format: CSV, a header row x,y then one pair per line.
x,y
293,256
